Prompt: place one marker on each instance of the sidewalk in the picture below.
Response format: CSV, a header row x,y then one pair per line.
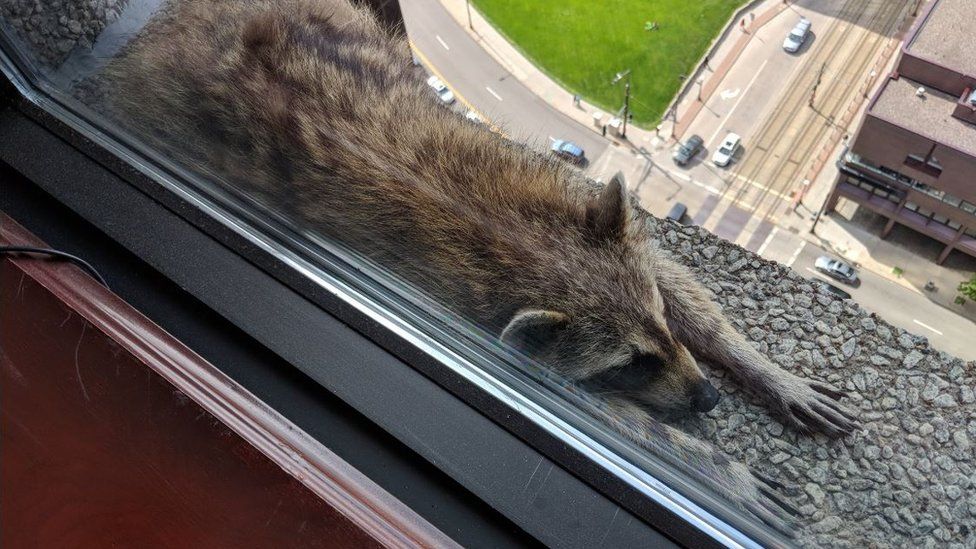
x,y
728,47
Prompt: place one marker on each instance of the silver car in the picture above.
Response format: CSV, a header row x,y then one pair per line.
x,y
797,36
440,88
836,269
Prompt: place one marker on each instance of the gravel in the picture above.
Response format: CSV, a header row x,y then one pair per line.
x,y
50,29
907,478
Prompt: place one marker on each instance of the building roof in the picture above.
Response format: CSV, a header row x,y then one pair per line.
x,y
929,115
946,36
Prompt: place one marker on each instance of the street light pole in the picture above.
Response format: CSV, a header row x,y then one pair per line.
x,y
468,4
617,78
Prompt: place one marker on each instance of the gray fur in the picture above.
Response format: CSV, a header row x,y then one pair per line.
x,y
315,109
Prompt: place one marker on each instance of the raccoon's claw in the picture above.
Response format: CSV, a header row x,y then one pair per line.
x,y
813,406
759,495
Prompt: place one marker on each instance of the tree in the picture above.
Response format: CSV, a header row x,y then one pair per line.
x,y
968,288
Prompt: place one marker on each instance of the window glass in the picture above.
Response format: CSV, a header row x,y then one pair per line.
x,y
487,180
951,200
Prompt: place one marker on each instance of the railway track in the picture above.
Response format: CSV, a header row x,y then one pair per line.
x,y
794,132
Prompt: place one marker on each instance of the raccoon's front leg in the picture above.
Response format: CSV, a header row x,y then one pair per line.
x,y
746,489
698,323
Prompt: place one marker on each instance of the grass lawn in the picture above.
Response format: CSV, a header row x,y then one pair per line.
x,y
583,43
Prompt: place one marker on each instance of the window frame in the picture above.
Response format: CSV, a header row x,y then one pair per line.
x,y
66,135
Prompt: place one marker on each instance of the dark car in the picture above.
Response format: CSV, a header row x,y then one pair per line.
x,y
677,212
568,150
684,153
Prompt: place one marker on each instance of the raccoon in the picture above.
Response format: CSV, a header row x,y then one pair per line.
x,y
315,109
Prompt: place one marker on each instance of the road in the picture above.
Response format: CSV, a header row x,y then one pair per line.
x,y
478,80
903,307
764,98
817,97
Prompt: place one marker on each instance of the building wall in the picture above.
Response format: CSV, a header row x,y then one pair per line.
x,y
887,144
933,75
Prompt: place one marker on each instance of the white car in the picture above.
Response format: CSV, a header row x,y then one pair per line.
x,y
836,269
440,88
797,36
727,151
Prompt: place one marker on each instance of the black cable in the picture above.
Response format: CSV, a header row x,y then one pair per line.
x,y
54,253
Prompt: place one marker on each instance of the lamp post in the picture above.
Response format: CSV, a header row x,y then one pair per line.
x,y
468,4
619,76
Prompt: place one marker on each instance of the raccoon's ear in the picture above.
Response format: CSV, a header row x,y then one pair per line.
x,y
533,330
608,214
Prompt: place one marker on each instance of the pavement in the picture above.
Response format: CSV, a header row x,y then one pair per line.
x,y
750,86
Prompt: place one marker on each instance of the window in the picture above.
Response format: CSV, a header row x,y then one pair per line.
x,y
968,207
317,135
927,166
951,200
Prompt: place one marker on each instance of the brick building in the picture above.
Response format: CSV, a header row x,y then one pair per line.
x,y
913,160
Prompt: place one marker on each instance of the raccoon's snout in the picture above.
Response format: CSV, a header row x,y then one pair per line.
x,y
705,398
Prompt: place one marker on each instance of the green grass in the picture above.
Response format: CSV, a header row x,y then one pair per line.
x,y
583,43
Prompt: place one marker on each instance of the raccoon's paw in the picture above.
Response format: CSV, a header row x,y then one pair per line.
x,y
760,496
813,406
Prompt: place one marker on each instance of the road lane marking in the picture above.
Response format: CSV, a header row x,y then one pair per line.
x,y
796,254
730,94
443,43
766,242
430,66
761,187
689,179
491,91
924,325
745,92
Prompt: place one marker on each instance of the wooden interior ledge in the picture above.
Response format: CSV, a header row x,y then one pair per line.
x,y
112,433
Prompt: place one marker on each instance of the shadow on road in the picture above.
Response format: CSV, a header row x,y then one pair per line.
x,y
914,254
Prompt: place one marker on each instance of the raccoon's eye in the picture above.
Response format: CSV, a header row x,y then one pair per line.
x,y
631,376
649,361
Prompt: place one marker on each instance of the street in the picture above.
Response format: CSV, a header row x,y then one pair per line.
x,y
479,81
765,97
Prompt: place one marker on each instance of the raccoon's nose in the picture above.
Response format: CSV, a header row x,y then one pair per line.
x,y
706,397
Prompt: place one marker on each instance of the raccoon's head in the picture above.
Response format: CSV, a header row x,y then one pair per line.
x,y
603,322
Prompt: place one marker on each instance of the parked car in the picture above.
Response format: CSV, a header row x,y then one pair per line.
x,y
677,212
684,153
723,156
568,150
797,36
440,88
836,269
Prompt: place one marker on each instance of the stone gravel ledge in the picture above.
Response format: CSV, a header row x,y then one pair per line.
x,y
50,29
908,477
